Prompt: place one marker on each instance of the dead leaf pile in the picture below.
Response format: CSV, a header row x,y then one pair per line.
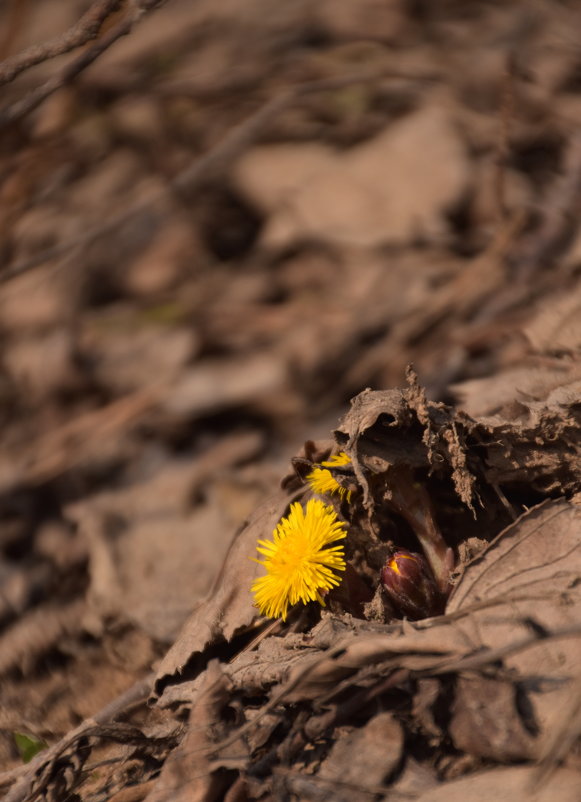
x,y
238,218
507,649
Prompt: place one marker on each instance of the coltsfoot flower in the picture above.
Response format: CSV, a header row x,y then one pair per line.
x,y
322,480
300,562
410,584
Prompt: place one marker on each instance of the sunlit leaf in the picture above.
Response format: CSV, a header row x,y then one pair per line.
x,y
28,746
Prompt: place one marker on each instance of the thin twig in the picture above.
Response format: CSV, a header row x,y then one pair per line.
x,y
471,662
212,164
85,30
33,99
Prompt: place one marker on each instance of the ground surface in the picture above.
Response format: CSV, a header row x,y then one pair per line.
x,y
235,220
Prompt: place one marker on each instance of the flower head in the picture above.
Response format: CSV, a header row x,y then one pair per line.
x,y
410,584
300,562
322,480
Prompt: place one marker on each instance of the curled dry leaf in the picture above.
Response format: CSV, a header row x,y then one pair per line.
x,y
394,428
337,651
306,668
253,672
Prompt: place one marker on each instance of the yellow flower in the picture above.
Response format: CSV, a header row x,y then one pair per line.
x,y
299,560
322,481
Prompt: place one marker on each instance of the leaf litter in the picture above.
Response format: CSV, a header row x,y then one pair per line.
x,y
509,640
155,383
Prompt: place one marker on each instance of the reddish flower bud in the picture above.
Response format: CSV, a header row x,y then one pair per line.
x,y
411,586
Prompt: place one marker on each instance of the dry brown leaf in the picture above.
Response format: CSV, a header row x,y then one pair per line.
x,y
252,672
557,324
366,756
255,671
151,556
97,435
187,774
229,606
152,553
217,384
530,575
515,784
401,428
540,448
508,392
344,197
128,352
486,721
31,636
402,647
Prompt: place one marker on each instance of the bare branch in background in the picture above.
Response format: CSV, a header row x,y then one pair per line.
x,y
86,29
215,161
37,96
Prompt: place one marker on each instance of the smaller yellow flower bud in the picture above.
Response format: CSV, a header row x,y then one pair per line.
x,y
322,481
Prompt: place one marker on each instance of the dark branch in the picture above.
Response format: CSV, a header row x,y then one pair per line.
x,y
85,30
31,101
